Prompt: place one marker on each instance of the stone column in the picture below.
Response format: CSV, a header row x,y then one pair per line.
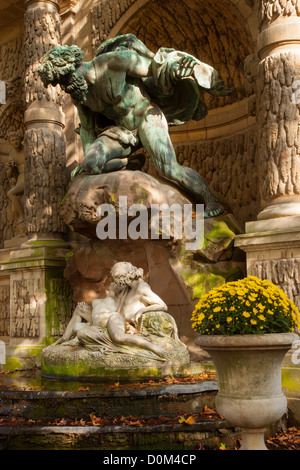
x,y
44,143
41,298
272,242
278,92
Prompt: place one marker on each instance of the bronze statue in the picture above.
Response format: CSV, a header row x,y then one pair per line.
x,y
127,96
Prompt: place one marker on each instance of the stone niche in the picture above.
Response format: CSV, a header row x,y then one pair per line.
x,y
177,275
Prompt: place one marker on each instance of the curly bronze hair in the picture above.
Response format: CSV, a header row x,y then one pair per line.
x,y
58,67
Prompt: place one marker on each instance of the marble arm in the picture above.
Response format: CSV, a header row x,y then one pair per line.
x,y
151,300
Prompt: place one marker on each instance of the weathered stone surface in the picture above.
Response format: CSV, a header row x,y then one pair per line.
x,y
4,310
270,10
73,360
229,166
11,67
42,32
46,179
278,118
87,193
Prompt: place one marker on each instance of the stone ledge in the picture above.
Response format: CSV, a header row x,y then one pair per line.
x,y
156,437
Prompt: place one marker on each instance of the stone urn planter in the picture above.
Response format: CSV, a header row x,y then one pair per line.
x,y
247,328
249,381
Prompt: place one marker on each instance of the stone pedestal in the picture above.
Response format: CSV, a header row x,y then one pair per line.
x,y
273,252
40,300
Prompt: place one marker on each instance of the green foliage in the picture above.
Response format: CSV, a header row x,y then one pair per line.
x,y
246,306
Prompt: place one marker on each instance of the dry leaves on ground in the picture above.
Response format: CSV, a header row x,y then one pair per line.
x,y
286,440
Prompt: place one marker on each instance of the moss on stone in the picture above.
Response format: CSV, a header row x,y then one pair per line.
x,y
291,379
201,278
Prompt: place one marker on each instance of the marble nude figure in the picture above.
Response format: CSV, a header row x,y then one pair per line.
x,y
127,97
115,323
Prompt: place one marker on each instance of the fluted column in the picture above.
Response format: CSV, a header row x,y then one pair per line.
x,y
278,92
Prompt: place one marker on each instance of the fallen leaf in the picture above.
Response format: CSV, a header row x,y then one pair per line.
x,y
190,420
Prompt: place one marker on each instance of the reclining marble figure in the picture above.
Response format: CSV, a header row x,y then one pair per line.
x,y
124,319
127,96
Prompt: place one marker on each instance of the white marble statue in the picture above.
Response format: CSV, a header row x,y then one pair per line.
x,y
124,319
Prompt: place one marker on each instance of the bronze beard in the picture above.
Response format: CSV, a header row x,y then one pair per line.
x,y
76,85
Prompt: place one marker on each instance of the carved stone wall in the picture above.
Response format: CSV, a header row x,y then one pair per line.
x,y
4,310
25,311
229,166
7,222
104,16
285,273
12,73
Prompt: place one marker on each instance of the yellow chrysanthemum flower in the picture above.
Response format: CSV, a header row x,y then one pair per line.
x,y
246,314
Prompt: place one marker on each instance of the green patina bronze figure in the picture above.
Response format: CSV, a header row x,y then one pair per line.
x,y
127,97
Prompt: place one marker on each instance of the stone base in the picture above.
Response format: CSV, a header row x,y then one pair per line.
x,y
70,360
40,299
